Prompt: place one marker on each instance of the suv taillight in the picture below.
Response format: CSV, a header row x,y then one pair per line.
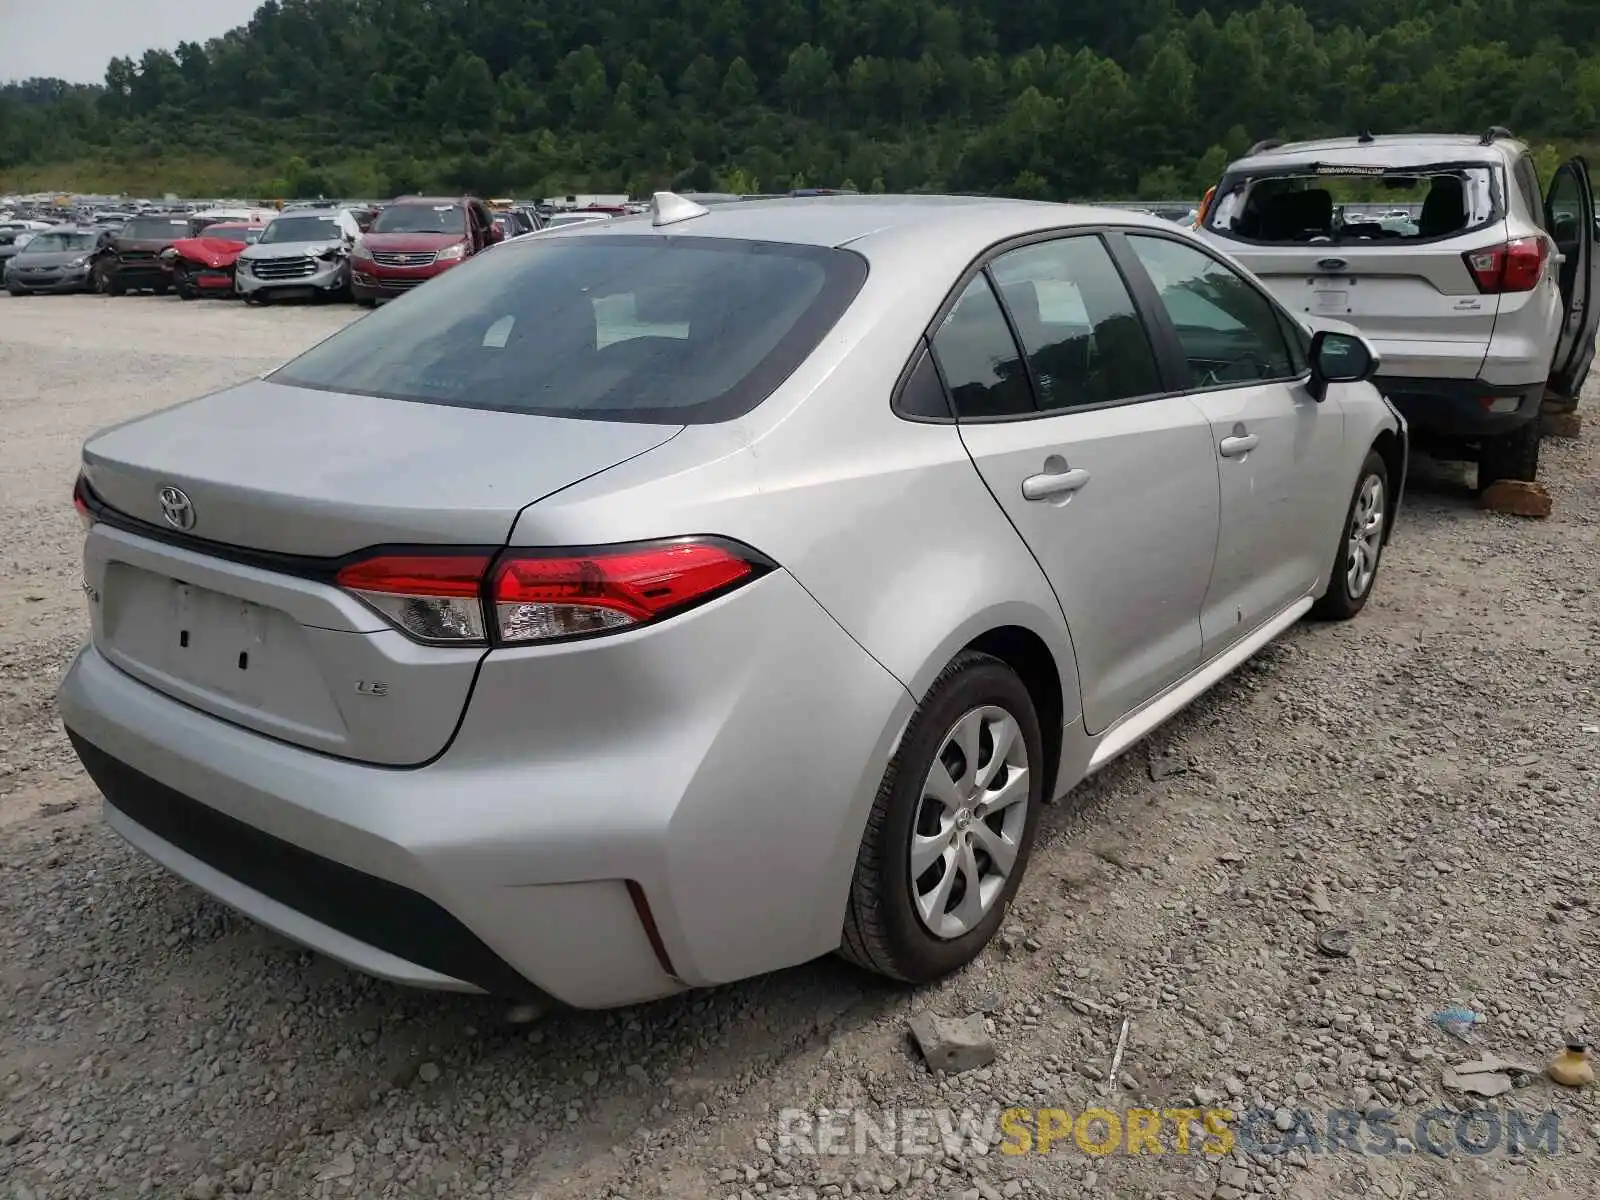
x,y
542,596
1516,266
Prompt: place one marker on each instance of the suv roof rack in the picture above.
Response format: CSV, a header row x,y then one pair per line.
x,y
1366,138
1263,146
1494,132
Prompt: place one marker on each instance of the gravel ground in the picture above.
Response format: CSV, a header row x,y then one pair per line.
x,y
1419,788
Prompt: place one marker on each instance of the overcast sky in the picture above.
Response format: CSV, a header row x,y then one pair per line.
x,y
74,39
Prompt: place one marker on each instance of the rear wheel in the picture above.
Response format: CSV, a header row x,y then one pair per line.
x,y
1355,566
951,829
1514,455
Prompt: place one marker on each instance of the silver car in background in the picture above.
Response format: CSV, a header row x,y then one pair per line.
x,y
669,599
302,253
1483,305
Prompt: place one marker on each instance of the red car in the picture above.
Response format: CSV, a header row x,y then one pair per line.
x,y
416,238
204,265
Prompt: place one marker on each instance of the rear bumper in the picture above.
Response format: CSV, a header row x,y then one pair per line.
x,y
1462,408
719,772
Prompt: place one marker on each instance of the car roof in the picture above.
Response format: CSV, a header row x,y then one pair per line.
x,y
433,200
1387,150
871,222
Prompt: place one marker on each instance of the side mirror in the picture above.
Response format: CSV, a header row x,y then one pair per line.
x,y
1339,358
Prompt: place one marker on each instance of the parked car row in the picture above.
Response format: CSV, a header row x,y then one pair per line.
x,y
318,250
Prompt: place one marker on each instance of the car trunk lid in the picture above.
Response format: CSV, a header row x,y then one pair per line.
x,y
211,576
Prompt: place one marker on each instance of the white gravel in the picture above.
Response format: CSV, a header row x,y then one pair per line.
x,y
1425,779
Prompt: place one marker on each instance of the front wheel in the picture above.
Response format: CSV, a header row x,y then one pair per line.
x,y
183,283
1513,455
951,829
1355,566
15,290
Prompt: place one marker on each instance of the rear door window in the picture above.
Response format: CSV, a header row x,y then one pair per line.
x,y
627,328
1084,339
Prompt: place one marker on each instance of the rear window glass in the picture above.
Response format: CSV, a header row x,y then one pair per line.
x,y
1336,204
627,328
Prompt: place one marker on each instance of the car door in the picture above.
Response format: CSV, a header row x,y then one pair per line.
x,y
1570,218
1277,447
1111,482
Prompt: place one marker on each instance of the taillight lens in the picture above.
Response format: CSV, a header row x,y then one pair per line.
x,y
539,598
80,502
434,598
1517,266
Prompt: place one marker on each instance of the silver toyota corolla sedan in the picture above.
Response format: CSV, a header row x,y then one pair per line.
x,y
670,599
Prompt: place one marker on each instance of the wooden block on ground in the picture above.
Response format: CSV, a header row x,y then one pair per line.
x,y
1516,497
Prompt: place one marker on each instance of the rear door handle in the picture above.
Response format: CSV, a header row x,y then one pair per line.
x,y
1058,483
1238,446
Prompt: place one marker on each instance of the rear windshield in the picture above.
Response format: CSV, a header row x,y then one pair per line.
x,y
631,328
155,228
1343,205
420,218
232,233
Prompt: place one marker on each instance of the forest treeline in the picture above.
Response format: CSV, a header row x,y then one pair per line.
x,y
1027,97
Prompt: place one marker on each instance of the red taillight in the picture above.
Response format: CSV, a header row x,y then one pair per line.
x,y
546,595
434,598
543,597
1516,266
81,502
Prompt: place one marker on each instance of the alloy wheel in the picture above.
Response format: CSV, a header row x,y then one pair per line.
x,y
970,821
1366,537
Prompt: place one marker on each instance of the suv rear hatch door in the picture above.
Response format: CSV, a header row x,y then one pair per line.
x,y
225,520
1412,295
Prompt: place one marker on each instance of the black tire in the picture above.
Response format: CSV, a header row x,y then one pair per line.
x,y
882,929
1513,455
367,301
162,288
115,286
183,284
1342,601
15,290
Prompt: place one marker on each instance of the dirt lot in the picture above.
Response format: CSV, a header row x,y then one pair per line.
x,y
1425,779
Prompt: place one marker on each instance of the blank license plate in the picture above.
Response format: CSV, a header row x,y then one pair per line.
x,y
1330,302
201,637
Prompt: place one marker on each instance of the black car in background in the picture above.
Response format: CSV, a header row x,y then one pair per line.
x,y
131,259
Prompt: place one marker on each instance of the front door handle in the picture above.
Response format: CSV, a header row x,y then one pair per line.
x,y
1238,445
1055,483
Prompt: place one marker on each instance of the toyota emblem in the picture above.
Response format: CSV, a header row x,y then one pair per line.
x,y
176,508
